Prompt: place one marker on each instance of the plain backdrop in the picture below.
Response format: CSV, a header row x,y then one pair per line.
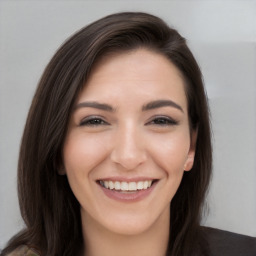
x,y
222,36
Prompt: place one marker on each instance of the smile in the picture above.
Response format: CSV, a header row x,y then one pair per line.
x,y
124,186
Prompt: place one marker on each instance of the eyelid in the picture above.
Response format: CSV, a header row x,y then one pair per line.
x,y
170,121
85,121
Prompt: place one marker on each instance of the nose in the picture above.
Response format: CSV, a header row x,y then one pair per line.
x,y
128,148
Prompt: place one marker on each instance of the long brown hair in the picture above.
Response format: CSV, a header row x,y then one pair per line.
x,y
50,211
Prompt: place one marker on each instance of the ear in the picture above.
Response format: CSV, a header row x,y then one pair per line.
x,y
60,168
192,150
61,171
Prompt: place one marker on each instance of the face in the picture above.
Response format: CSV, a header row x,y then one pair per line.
x,y
129,142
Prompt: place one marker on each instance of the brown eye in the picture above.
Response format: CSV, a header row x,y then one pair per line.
x,y
163,121
93,121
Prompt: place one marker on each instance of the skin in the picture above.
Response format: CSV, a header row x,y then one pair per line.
x,y
128,142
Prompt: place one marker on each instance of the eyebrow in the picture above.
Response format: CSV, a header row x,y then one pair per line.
x,y
160,104
151,105
94,104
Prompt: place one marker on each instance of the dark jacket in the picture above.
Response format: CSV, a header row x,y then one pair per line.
x,y
221,243
224,243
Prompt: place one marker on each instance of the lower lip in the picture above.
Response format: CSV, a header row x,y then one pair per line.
x,y
128,196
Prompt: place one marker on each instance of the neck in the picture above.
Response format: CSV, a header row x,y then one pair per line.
x,y
100,241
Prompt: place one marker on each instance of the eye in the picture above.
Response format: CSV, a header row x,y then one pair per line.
x,y
93,121
162,121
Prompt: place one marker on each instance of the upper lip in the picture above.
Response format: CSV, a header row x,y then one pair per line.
x,y
127,179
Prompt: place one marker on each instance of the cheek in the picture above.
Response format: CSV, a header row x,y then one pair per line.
x,y
171,152
170,155
82,152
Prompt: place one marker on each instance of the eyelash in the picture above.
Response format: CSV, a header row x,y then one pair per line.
x,y
90,121
163,121
158,121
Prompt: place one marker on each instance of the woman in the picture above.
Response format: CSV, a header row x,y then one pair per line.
x,y
116,154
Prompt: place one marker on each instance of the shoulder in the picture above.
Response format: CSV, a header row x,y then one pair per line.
x,y
227,243
24,251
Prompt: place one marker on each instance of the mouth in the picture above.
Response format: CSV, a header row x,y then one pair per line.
x,y
126,187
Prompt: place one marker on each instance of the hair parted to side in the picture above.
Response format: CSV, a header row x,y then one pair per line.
x,y
49,209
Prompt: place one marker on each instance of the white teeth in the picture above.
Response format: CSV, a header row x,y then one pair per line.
x,y
117,185
111,184
126,186
140,185
132,186
106,184
145,185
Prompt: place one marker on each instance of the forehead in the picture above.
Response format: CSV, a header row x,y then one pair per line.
x,y
148,61
138,73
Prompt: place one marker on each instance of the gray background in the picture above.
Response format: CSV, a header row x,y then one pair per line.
x,y
222,35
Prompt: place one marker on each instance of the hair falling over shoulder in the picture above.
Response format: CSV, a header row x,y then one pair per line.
x,y
48,207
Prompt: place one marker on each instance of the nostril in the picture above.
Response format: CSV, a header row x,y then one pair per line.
x,y
127,160
128,147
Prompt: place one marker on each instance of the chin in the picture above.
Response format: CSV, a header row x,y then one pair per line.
x,y
135,223
130,227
